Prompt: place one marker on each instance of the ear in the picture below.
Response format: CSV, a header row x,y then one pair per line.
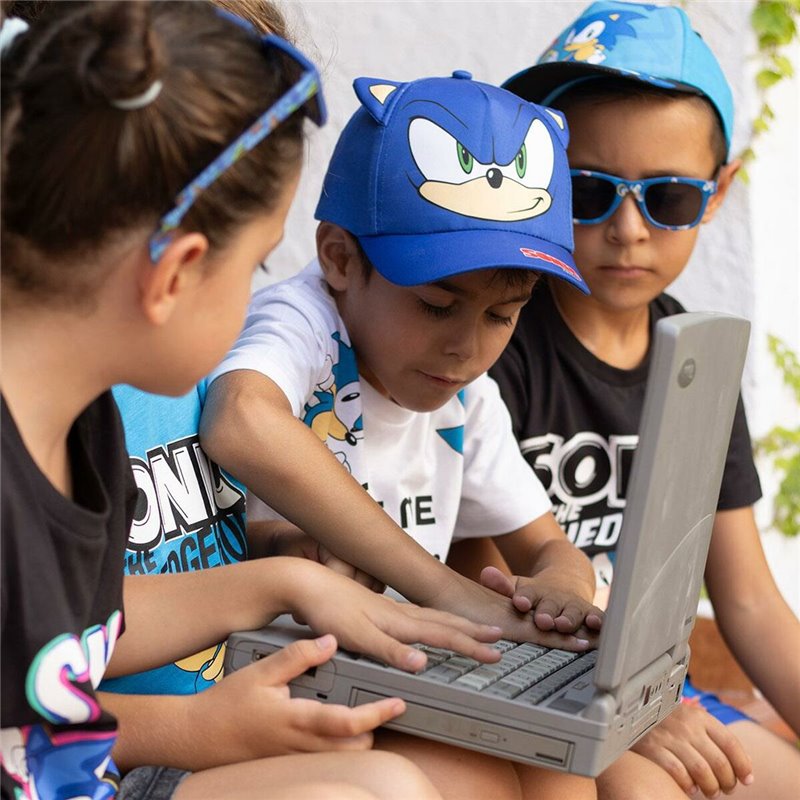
x,y
557,123
727,172
163,284
338,256
376,95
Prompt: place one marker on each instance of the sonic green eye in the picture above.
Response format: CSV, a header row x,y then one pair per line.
x,y
465,158
521,161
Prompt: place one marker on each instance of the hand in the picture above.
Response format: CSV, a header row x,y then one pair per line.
x,y
554,607
697,751
288,540
258,718
483,604
378,626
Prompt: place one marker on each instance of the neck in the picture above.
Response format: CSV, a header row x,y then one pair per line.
x,y
52,368
619,337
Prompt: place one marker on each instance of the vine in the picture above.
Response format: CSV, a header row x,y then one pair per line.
x,y
774,23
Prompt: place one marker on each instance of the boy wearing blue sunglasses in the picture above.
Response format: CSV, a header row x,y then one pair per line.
x,y
650,116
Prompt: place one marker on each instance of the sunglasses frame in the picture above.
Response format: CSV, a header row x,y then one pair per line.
x,y
307,86
638,189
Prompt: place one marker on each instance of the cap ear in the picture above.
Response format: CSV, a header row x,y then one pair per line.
x,y
376,95
557,123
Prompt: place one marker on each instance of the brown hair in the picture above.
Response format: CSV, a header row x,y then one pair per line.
x,y
78,171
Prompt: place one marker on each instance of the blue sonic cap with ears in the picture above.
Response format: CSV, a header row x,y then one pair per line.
x,y
442,176
648,43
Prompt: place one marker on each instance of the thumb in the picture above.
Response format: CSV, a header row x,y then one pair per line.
x,y
281,667
493,578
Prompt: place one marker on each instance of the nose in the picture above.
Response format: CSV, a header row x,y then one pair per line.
x,y
627,224
462,342
495,178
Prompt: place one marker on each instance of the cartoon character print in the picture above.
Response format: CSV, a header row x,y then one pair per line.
x,y
206,666
40,763
593,36
459,166
74,762
334,410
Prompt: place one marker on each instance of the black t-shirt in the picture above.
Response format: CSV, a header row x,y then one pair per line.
x,y
576,419
62,607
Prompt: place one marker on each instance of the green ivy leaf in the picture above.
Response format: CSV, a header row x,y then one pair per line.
x,y
767,77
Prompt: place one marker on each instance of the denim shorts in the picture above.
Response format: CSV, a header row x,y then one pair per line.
x,y
150,783
710,702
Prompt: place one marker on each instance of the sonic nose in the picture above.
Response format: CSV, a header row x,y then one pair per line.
x,y
495,177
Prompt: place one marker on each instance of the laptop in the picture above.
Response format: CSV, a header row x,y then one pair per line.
x,y
578,712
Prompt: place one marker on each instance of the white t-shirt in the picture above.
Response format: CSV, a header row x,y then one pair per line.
x,y
453,473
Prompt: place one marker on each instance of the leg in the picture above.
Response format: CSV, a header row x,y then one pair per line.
x,y
634,777
776,764
461,774
342,775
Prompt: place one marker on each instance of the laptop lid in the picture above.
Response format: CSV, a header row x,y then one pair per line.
x,y
691,396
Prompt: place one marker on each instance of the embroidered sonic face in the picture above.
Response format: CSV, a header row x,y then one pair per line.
x,y
458,181
592,37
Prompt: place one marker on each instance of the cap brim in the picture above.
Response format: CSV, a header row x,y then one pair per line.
x,y
411,260
537,83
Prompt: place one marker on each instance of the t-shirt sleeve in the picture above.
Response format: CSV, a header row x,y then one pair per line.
x,y
740,484
501,492
281,340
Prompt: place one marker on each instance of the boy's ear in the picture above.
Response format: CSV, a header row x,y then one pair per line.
x,y
727,172
338,255
161,285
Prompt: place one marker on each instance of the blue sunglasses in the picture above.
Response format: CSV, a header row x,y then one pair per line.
x,y
308,86
672,203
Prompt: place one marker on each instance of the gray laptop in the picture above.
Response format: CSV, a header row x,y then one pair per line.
x,y
578,713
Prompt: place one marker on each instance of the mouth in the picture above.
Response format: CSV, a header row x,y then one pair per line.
x,y
629,271
442,380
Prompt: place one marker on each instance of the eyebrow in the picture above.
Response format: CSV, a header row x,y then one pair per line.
x,y
523,297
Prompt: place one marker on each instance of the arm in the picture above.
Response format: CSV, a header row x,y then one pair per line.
x,y
245,716
557,580
752,615
198,609
249,429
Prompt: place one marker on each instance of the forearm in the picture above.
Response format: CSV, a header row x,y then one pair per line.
x,y
540,547
249,429
154,730
195,610
765,638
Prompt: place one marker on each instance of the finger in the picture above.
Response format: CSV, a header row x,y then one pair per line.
x,y
492,578
391,649
475,630
572,616
341,722
594,618
281,667
545,613
700,771
734,753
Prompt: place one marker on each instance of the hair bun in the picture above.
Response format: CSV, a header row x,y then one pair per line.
x,y
121,57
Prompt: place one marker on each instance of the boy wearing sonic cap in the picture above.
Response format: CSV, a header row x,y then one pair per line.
x,y
650,116
444,201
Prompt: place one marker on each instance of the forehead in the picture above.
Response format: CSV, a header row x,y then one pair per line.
x,y
488,285
638,136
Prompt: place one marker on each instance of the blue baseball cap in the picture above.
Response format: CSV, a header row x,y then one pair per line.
x,y
647,43
442,176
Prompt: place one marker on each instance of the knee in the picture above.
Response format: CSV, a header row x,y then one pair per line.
x,y
400,778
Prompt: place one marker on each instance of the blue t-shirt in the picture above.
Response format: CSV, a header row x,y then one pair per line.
x,y
189,515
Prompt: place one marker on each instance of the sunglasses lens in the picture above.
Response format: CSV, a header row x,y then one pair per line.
x,y
674,204
591,197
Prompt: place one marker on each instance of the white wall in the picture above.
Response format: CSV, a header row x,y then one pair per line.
x,y
746,262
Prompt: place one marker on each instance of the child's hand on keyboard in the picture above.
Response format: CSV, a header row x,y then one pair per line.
x,y
555,606
380,627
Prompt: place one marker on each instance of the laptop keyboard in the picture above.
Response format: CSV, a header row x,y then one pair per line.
x,y
526,672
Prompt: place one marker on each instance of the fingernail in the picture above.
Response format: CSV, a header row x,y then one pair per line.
x,y
582,642
325,642
416,660
692,790
495,629
748,780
